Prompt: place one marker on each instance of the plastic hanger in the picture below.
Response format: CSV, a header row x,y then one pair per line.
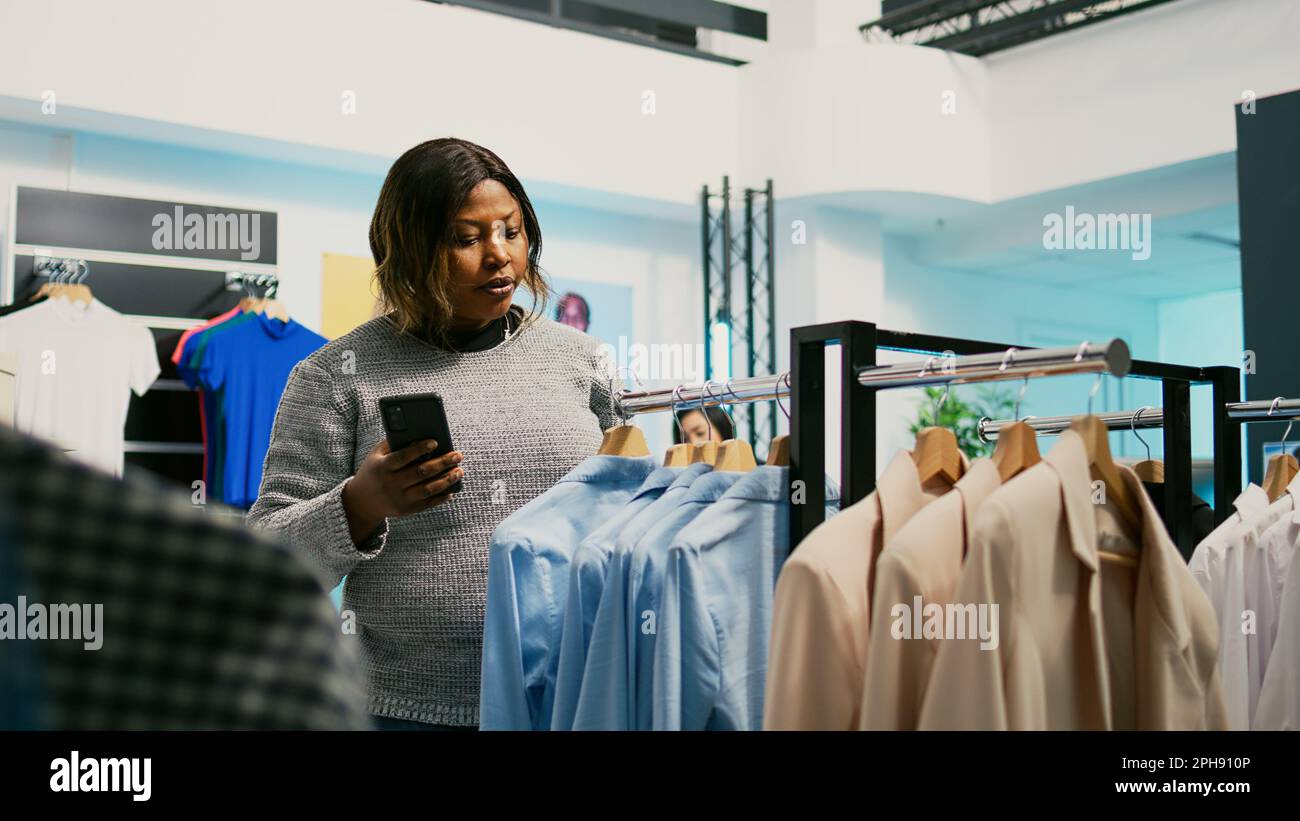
x,y
734,455
1017,448
936,453
778,451
622,440
1148,470
1281,468
1102,467
678,456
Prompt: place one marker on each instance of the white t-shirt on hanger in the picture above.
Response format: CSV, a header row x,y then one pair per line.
x,y
77,363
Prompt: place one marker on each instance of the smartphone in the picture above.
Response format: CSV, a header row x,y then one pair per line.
x,y
415,417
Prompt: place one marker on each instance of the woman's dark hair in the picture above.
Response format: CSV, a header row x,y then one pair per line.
x,y
721,423
411,233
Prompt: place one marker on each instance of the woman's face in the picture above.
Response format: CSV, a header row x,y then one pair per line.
x,y
489,253
696,428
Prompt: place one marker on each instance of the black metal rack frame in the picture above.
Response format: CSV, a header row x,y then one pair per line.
x,y
859,342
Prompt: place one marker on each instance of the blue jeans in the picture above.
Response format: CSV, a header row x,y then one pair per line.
x,y
386,723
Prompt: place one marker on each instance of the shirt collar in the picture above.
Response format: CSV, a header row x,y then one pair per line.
x,y
900,493
659,478
1069,459
1251,502
611,469
689,474
711,487
275,328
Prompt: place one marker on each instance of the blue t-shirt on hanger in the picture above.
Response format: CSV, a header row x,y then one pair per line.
x,y
250,364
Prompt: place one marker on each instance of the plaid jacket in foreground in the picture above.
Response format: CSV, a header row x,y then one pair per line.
x,y
206,624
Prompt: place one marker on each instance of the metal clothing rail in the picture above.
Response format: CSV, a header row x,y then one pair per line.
x,y
860,377
1267,410
1112,357
1140,419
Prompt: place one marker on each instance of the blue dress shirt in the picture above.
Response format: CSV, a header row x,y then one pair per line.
x,y
528,578
710,658
587,572
645,585
604,701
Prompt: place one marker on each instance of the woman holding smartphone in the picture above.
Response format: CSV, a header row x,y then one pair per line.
x,y
526,398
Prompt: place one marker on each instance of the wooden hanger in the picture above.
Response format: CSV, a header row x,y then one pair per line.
x,y
1281,468
678,456
275,309
707,452
623,440
1017,450
778,452
1102,466
735,455
1148,470
937,456
936,453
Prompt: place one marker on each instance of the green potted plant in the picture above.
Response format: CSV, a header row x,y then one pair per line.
x,y
962,415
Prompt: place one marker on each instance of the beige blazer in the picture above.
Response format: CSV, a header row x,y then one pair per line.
x,y
923,560
1035,555
818,645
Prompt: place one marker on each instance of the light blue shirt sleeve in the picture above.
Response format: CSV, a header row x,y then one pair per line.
x,y
528,573
503,696
686,676
710,658
586,587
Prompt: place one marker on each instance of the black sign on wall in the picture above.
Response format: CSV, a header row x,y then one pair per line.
x,y
1268,197
126,224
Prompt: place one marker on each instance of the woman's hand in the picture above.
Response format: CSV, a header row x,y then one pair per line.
x,y
397,484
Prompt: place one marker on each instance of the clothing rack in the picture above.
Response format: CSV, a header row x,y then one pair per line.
x,y
971,361
952,360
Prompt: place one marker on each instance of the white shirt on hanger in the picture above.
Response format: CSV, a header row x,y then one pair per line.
x,y
1263,566
1217,566
77,364
1279,696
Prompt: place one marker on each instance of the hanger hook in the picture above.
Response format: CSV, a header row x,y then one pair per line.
x,y
1093,392
1007,359
677,400
1132,426
785,377
940,402
732,391
1289,423
703,408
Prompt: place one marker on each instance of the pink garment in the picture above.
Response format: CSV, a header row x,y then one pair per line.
x,y
185,337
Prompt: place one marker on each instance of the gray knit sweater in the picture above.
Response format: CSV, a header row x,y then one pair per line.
x,y
523,413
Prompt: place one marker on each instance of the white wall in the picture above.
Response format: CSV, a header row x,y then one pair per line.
x,y
1149,89
559,105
